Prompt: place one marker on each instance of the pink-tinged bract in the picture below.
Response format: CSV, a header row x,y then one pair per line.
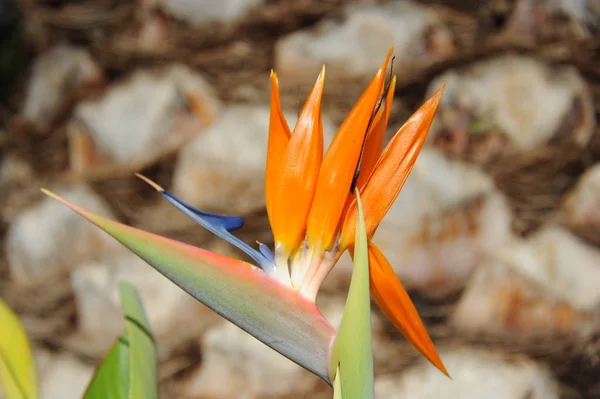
x,y
269,311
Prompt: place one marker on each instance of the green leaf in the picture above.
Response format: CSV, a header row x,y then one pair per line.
x,y
142,352
271,312
111,380
18,376
353,348
129,369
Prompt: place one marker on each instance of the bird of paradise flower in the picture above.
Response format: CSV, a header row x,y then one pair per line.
x,y
313,215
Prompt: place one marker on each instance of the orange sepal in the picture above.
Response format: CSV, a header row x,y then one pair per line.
x,y
391,171
394,302
297,178
376,138
339,165
279,138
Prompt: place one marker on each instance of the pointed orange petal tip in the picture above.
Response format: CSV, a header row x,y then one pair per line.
x,y
294,187
339,166
376,138
279,137
392,170
437,95
391,297
389,55
321,77
150,182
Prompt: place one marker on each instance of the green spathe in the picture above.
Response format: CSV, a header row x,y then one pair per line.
x,y
271,312
353,348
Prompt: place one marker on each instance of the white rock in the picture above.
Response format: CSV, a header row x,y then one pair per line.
x,y
200,12
583,10
560,262
500,299
581,210
236,365
48,238
547,19
545,284
174,315
447,217
147,114
356,47
475,374
64,377
56,73
13,169
99,319
519,98
14,172
153,34
223,169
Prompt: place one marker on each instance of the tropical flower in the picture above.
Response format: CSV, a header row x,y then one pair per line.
x,y
313,215
309,201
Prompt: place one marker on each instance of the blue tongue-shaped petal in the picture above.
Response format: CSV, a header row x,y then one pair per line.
x,y
219,225
229,223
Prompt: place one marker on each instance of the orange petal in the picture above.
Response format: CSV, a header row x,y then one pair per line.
x,y
391,171
279,137
339,166
297,178
394,302
375,139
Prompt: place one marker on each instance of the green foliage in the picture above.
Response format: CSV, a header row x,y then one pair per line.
x,y
18,377
129,368
352,352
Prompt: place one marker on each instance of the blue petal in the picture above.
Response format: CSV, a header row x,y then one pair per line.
x,y
221,225
229,223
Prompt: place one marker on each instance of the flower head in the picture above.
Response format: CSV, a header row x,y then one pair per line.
x,y
310,237
313,215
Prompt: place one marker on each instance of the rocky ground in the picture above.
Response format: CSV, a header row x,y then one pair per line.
x,y
496,234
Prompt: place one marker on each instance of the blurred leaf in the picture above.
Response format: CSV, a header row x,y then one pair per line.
x,y
18,377
129,369
111,380
353,348
142,352
271,312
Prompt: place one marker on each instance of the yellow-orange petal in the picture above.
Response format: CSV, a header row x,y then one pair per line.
x,y
279,137
373,145
375,139
392,169
297,179
339,166
393,300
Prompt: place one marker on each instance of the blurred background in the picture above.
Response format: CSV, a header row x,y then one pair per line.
x,y
496,233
